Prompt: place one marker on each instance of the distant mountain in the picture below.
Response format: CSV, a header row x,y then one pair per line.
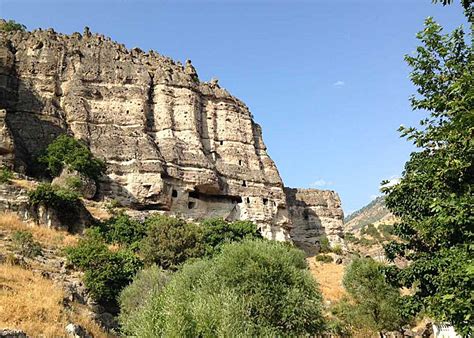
x,y
373,213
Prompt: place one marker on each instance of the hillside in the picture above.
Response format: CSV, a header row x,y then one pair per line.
x,y
373,213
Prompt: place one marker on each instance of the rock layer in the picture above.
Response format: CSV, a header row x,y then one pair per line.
x,y
314,214
171,143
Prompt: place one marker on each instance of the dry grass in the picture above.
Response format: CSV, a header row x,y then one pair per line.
x,y
25,184
46,236
31,303
97,210
329,277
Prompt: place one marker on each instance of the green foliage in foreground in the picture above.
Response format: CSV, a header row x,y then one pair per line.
x,y
146,283
11,25
123,230
434,199
324,258
251,288
373,304
5,175
106,272
67,151
24,244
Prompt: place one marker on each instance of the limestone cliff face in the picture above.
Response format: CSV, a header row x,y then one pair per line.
x,y
314,213
171,142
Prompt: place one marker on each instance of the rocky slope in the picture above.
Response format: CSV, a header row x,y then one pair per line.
x,y
373,213
171,143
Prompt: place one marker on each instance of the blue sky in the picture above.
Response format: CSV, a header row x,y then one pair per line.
x,y
325,79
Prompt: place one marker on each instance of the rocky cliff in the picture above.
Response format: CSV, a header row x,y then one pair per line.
x,y
314,214
171,142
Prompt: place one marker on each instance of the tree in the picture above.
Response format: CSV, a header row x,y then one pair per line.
x,y
434,199
249,288
373,304
67,151
11,25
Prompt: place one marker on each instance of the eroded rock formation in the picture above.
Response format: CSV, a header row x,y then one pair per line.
x,y
171,142
314,214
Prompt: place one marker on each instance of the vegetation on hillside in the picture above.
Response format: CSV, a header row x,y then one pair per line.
x,y
251,288
434,198
66,151
11,26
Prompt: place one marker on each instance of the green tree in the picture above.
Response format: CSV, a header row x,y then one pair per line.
x,y
434,199
249,288
373,304
218,232
67,151
170,241
11,25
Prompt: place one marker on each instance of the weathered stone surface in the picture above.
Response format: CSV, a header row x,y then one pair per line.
x,y
12,333
87,186
314,213
76,331
171,142
6,142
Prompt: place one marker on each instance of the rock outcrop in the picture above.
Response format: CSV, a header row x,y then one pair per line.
x,y
314,214
171,143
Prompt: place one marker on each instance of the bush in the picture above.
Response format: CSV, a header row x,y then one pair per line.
x,y
324,258
122,229
370,230
337,249
250,288
170,241
146,283
53,196
5,175
324,246
24,244
373,305
67,151
106,272
11,25
387,230
218,231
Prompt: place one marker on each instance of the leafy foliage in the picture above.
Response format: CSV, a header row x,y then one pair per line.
x,y
122,229
373,303
5,175
67,151
106,272
170,241
324,245
63,200
11,25
147,282
218,232
434,198
24,244
250,288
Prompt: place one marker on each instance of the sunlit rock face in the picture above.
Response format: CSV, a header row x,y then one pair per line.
x,y
171,142
314,214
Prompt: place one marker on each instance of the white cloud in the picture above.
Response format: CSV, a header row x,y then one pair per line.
x,y
391,182
320,183
339,83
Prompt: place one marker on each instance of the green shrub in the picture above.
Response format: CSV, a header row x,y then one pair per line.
x,y
53,196
373,304
370,230
170,241
24,244
324,258
324,245
11,25
249,288
387,230
106,272
337,249
122,229
147,282
5,175
218,231
67,151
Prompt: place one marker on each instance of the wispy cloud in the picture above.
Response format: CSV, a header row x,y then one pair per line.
x,y
320,183
339,83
